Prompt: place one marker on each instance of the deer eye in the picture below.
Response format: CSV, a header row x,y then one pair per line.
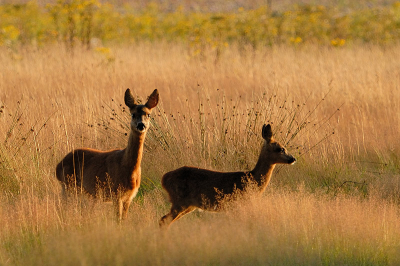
x,y
133,115
148,115
282,150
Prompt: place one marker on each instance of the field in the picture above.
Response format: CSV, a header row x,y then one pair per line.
x,y
335,107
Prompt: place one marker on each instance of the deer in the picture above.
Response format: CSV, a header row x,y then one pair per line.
x,y
115,173
191,188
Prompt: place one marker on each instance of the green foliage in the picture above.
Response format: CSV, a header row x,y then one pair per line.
x,y
81,20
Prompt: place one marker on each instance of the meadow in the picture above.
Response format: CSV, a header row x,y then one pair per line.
x,y
335,108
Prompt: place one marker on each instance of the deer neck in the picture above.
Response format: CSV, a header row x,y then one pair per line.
x,y
262,172
133,153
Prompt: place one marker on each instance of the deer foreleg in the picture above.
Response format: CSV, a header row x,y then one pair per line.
x,y
125,208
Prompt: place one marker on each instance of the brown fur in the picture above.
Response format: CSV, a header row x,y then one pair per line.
x,y
115,173
190,188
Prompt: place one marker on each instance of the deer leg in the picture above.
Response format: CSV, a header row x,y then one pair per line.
x,y
122,204
125,208
68,194
188,210
64,192
118,206
167,219
176,213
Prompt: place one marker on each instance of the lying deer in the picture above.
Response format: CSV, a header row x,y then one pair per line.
x,y
117,172
190,188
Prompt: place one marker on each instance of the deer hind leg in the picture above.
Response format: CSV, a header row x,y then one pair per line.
x,y
176,213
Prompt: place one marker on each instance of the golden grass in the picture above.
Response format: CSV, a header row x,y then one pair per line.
x,y
54,102
280,228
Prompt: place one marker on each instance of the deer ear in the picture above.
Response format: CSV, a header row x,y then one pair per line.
x,y
153,100
267,132
129,100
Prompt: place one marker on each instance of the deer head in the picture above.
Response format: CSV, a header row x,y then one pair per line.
x,y
273,150
140,113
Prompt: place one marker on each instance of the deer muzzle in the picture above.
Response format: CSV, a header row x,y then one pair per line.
x,y
140,126
291,160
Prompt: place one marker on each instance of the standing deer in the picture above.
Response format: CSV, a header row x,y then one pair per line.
x,y
116,172
190,188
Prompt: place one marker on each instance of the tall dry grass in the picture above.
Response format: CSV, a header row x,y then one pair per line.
x,y
337,205
282,228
